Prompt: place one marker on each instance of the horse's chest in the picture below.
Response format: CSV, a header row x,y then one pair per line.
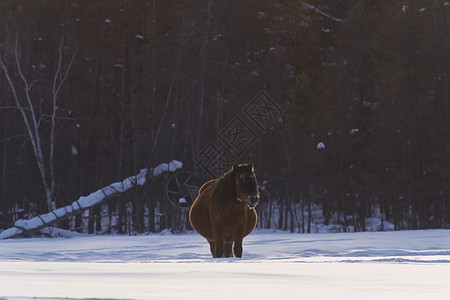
x,y
234,219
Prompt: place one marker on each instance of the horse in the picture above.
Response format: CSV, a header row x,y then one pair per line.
x,y
224,210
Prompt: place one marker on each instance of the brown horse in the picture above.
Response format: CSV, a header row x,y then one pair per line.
x,y
224,213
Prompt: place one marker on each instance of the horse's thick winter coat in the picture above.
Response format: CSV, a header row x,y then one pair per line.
x,y
224,213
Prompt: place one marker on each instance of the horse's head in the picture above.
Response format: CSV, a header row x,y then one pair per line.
x,y
246,185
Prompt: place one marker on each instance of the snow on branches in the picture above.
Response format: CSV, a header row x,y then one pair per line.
x,y
86,202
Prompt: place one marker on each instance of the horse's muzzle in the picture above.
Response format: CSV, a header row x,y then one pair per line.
x,y
254,200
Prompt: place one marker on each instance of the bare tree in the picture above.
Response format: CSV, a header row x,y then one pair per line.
x,y
32,117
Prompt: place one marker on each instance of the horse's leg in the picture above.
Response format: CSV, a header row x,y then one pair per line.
x,y
238,237
219,241
238,247
212,248
228,247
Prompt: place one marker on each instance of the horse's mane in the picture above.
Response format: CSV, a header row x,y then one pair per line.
x,y
225,190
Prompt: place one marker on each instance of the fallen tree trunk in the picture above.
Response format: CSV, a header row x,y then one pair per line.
x,y
23,227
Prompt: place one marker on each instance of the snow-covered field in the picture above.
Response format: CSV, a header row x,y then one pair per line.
x,y
276,265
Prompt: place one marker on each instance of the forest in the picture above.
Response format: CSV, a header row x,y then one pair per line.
x,y
342,105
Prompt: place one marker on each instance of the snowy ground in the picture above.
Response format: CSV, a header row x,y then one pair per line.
x,y
276,265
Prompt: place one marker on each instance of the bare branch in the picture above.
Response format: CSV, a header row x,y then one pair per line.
x,y
60,118
31,84
12,107
58,80
18,104
33,115
32,130
13,137
22,147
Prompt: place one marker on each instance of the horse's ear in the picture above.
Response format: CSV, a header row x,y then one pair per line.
x,y
251,166
234,167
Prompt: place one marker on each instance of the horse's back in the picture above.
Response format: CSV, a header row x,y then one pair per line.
x,y
207,185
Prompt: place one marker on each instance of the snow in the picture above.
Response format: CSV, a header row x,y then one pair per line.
x,y
216,36
353,131
375,265
321,12
303,24
74,150
172,166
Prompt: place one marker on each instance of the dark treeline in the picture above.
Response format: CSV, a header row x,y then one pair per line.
x,y
343,105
